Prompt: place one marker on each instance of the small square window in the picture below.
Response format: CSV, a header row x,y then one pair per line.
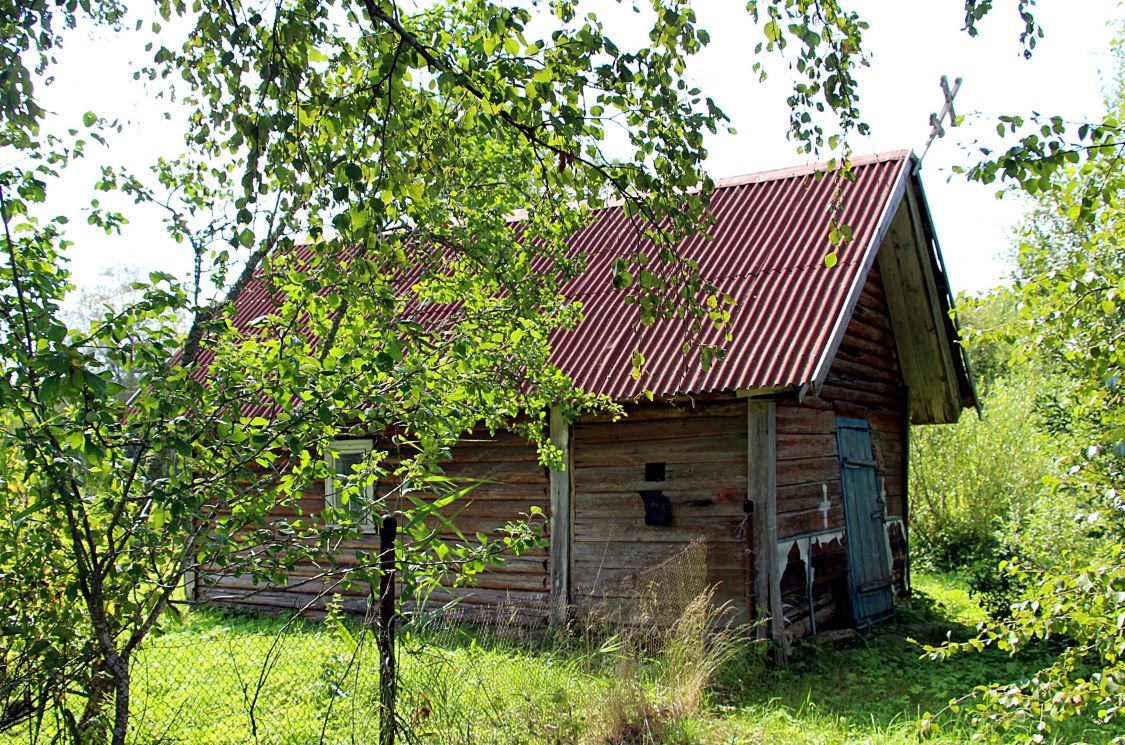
x,y
654,471
343,458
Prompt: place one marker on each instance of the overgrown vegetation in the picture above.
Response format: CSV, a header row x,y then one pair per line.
x,y
507,684
1051,573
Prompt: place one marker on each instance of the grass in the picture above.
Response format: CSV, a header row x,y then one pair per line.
x,y
198,681
874,688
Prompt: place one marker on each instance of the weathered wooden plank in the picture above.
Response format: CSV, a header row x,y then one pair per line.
x,y
845,368
851,395
695,408
562,519
312,585
623,583
843,388
632,478
624,530
872,318
470,525
790,524
495,452
662,429
874,334
859,349
761,438
872,296
525,563
505,472
805,445
793,418
640,562
694,449
799,497
686,503
500,510
808,470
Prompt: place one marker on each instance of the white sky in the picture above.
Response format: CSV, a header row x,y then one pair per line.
x,y
912,45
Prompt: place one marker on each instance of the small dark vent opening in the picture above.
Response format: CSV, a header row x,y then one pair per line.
x,y
654,471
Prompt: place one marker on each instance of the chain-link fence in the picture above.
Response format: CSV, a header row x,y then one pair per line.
x,y
237,678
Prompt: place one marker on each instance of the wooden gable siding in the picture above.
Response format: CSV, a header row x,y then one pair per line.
x,y
864,382
514,482
703,449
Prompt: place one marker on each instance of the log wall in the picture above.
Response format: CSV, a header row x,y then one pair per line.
x,y
514,482
864,382
703,448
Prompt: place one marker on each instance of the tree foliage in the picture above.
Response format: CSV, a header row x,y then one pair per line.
x,y
1070,279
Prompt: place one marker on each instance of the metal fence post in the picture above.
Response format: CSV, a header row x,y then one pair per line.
x,y
386,630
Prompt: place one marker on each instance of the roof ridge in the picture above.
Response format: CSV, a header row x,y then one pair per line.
x,y
777,174
755,177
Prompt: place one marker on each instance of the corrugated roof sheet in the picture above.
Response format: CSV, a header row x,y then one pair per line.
x,y
766,249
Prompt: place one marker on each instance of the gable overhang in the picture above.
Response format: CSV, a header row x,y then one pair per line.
x,y
935,367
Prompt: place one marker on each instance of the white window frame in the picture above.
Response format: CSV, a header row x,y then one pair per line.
x,y
348,447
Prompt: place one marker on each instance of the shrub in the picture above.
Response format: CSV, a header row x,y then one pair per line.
x,y
967,479
996,591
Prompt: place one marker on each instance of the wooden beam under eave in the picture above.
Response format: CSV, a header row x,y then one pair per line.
x,y
761,487
562,520
920,337
941,322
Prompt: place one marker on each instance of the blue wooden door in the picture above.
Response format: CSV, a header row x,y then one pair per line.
x,y
865,513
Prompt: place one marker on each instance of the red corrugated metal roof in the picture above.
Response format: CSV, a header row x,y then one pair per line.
x,y
766,250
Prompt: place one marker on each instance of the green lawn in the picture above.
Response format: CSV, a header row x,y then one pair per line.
x,y
199,681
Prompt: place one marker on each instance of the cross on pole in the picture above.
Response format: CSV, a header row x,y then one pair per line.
x,y
936,120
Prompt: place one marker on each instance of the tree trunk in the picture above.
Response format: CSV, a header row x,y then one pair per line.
x,y
90,727
119,665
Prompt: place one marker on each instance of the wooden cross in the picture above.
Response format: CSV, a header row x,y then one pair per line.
x,y
936,120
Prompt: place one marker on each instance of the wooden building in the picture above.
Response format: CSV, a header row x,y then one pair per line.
x,y
788,458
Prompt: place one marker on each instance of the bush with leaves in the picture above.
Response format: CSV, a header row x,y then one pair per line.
x,y
968,479
1079,607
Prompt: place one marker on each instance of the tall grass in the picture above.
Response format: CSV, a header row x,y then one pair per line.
x,y
661,675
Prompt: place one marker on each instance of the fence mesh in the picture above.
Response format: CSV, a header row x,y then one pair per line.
x,y
224,677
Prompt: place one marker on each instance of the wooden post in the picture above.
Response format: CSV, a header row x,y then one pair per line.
x,y
387,683
562,520
749,573
761,475
906,485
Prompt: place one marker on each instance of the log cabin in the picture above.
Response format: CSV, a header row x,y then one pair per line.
x,y
787,459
